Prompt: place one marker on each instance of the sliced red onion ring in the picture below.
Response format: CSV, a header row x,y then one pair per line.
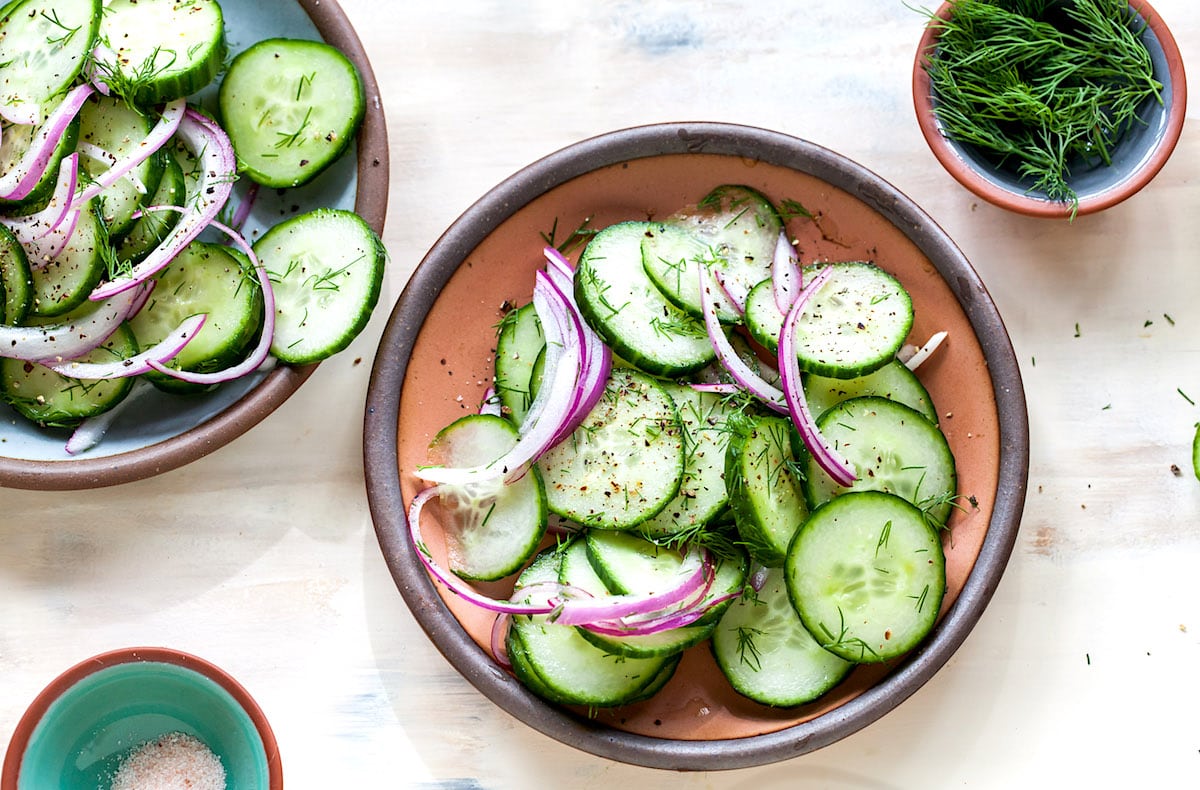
x,y
829,459
490,405
218,170
499,632
168,122
89,432
728,356
692,576
558,261
67,340
255,360
162,352
244,208
787,277
18,182
923,353
44,235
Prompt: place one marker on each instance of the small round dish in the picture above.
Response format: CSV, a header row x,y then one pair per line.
x,y
78,731
165,431
435,362
1136,160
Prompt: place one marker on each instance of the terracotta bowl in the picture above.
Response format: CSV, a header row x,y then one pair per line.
x,y
164,431
435,361
78,731
1138,157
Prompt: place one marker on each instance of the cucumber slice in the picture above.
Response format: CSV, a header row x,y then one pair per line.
x,y
519,342
624,463
626,309
855,324
867,575
62,284
16,283
203,278
766,653
112,126
43,46
702,491
733,231
579,569
326,267
160,50
1196,452
291,107
893,448
558,663
764,494
492,532
893,381
53,400
148,231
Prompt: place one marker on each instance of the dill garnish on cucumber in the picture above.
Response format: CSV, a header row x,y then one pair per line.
x,y
1041,87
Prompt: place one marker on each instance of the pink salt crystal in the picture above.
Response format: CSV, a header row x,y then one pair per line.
x,y
175,761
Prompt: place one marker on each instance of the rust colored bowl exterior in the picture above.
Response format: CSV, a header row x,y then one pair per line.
x,y
435,361
1137,159
174,437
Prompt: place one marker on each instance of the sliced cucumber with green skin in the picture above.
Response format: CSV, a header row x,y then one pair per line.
x,y
43,46
893,381
853,325
148,231
159,50
1196,452
63,283
732,231
702,491
519,342
619,301
15,143
114,127
16,282
203,278
867,575
493,530
578,569
326,268
764,494
291,107
563,666
624,463
766,653
53,400
892,448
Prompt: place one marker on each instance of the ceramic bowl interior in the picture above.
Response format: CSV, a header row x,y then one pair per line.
x,y
84,724
1138,157
435,361
167,431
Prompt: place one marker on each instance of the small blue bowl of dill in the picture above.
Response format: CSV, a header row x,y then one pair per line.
x,y
1050,108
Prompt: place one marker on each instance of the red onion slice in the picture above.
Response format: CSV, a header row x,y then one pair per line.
x,y
923,353
168,122
161,352
829,459
728,356
18,182
787,277
44,235
89,432
67,340
218,170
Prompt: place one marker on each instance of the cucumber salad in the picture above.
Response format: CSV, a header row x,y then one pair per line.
x,y
695,437
123,265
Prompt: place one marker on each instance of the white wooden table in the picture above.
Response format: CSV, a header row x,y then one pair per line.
x,y
262,558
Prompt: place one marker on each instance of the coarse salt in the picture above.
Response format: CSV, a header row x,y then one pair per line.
x,y
175,761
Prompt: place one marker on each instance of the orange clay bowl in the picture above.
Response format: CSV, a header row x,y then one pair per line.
x,y
163,432
435,361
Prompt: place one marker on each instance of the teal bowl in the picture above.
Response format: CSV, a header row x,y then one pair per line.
x,y
83,725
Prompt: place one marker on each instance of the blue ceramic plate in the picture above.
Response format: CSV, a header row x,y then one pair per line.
x,y
168,431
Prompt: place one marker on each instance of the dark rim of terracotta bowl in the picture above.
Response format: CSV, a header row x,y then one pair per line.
x,y
370,203
381,444
162,655
964,171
